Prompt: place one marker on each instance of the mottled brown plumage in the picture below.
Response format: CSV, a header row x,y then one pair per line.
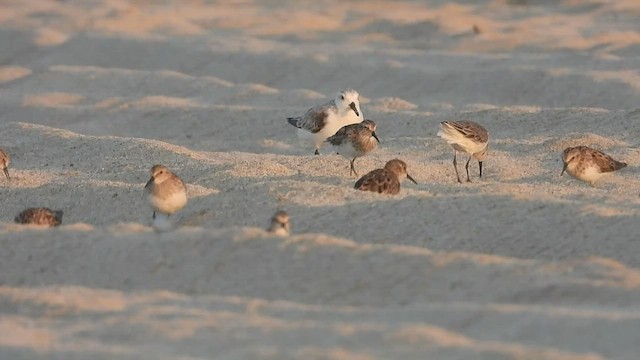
x,y
40,216
355,140
385,181
588,164
5,160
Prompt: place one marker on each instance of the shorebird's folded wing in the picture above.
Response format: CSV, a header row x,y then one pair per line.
x,y
468,129
606,162
344,134
379,181
315,118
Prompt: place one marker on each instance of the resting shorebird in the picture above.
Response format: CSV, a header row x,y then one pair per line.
x,y
280,224
322,121
387,180
165,191
355,140
468,137
587,164
40,216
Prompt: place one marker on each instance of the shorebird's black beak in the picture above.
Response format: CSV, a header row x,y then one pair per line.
x,y
564,168
147,186
6,173
480,166
410,178
375,137
353,107
149,182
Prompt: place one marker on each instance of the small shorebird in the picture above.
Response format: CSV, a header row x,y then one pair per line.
x,y
40,216
5,160
468,137
280,224
587,164
322,121
385,181
355,140
165,191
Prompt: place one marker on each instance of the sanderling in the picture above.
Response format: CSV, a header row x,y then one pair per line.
x,y
468,137
385,180
5,160
355,140
587,164
165,191
322,121
280,224
40,216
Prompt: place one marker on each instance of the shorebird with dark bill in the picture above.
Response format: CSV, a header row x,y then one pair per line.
x,y
322,121
587,164
387,180
467,137
355,140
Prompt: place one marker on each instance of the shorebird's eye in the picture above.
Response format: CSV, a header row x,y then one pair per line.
x,y
341,97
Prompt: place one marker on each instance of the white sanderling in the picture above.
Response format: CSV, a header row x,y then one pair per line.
x,y
322,121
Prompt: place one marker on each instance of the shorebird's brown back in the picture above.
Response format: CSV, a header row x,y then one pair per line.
x,y
381,181
40,216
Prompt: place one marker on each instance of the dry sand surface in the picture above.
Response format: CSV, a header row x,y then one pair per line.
x,y
523,264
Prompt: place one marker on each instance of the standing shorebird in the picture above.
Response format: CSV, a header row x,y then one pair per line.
x,y
165,191
587,164
387,180
322,121
5,160
355,140
40,216
468,137
280,224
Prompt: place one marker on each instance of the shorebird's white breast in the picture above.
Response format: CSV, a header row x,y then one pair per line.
x,y
347,149
279,230
590,173
331,127
170,204
461,143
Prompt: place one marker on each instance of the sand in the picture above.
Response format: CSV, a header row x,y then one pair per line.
x,y
522,264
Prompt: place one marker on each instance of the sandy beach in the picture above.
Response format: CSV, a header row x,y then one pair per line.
x,y
521,264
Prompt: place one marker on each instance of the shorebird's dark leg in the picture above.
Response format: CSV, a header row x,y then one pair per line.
x,y
480,166
317,152
353,169
6,173
154,215
466,167
455,165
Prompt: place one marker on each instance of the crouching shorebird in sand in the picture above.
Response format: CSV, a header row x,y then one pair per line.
x,y
385,181
280,224
322,121
355,140
40,216
468,137
587,164
5,160
165,191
